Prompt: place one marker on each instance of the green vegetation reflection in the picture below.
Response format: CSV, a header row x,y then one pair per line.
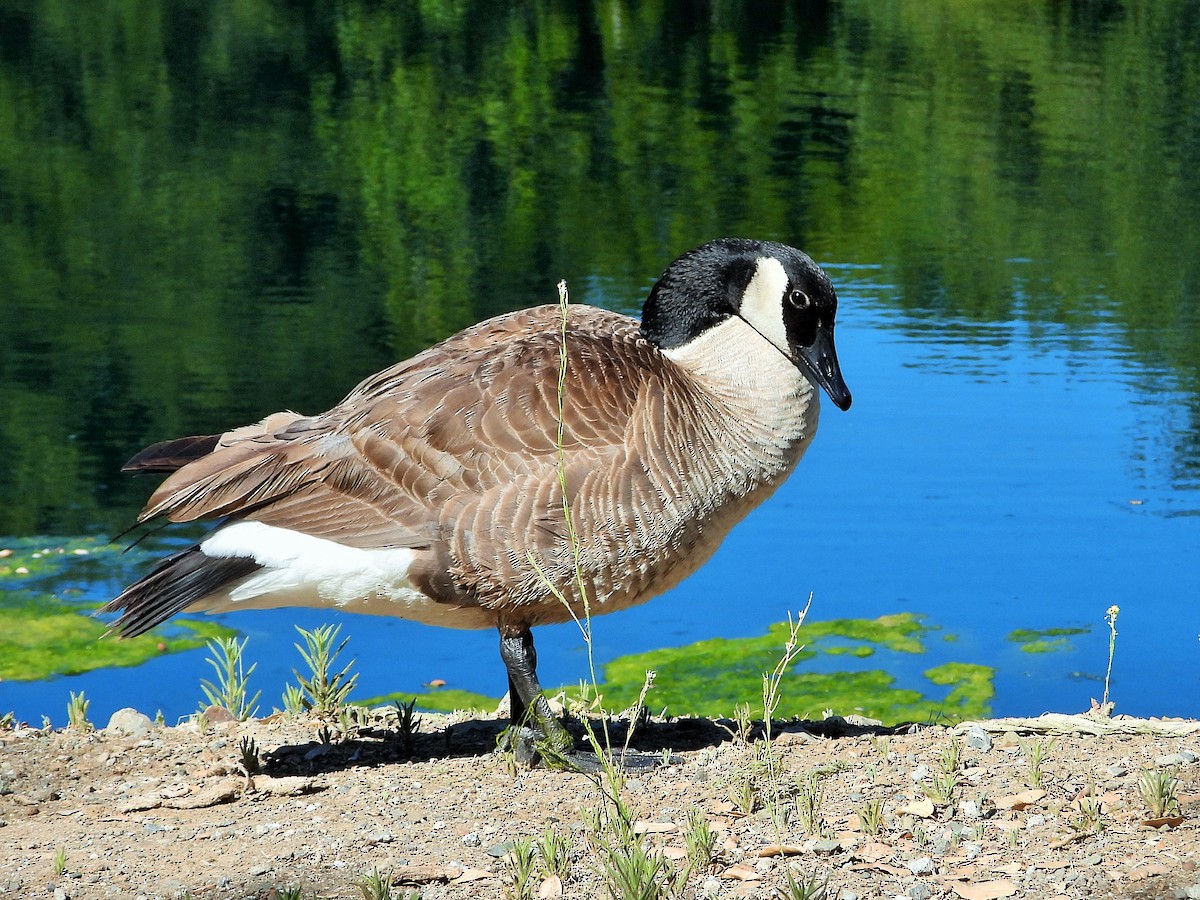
x,y
1045,640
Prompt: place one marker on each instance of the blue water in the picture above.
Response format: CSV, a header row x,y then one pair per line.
x,y
988,477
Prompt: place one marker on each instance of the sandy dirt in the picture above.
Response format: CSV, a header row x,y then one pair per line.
x,y
141,810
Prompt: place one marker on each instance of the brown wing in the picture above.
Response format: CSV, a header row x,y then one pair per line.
x,y
449,450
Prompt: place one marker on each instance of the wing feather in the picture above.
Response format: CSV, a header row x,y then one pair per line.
x,y
453,450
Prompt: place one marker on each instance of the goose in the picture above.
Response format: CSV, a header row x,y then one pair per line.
x,y
434,490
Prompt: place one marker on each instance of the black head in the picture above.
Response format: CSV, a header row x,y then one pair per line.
x,y
777,290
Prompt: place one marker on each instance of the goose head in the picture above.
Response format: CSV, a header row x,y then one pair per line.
x,y
775,289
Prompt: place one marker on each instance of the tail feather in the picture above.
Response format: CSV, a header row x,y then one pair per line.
x,y
170,456
177,582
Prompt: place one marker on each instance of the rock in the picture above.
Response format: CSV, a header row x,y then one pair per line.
x,y
1171,759
1192,892
979,739
1035,821
217,715
286,786
970,809
259,870
130,722
920,773
380,836
1188,756
922,865
920,891
471,840
826,846
1117,770
847,894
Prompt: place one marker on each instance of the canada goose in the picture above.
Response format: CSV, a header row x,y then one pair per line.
x,y
432,490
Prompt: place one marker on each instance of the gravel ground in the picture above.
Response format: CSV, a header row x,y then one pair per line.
x,y
141,810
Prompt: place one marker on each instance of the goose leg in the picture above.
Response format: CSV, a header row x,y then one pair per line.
x,y
525,698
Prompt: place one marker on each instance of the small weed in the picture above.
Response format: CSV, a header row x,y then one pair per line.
x,y
60,862
249,752
293,700
295,892
407,724
324,690
942,787
806,887
1088,821
232,678
555,851
1036,753
77,710
881,745
809,803
949,759
1012,837
1110,616
870,816
8,721
376,885
520,864
1158,789
326,735
700,841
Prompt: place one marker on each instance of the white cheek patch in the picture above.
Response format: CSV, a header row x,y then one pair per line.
x,y
762,302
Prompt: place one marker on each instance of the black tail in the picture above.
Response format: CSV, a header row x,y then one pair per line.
x,y
169,456
175,583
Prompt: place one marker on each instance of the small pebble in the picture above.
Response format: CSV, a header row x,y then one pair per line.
x,y
382,836
1035,821
920,891
259,870
1188,756
471,840
920,773
922,865
847,894
826,845
712,886
1116,770
970,851
498,850
970,809
979,739
1093,860
1192,892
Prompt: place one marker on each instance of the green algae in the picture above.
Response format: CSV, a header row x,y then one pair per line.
x,y
1045,640
712,677
44,636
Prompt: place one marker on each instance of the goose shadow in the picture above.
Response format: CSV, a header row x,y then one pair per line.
x,y
653,742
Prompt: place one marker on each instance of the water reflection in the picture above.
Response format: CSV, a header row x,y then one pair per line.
x,y
209,212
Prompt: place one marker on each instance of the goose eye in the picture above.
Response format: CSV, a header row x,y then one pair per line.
x,y
799,299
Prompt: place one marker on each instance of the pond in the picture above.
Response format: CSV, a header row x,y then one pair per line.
x,y
209,212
